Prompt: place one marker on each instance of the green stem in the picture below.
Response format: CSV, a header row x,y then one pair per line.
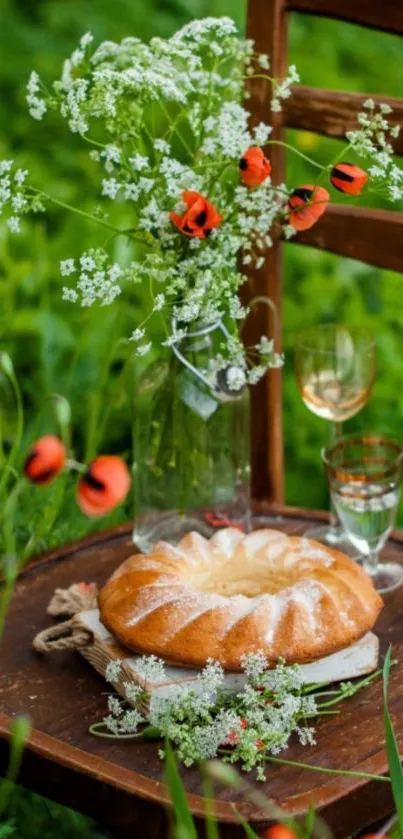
x,y
48,518
96,729
264,76
75,465
92,142
10,576
7,510
348,772
18,435
296,151
179,133
86,215
350,691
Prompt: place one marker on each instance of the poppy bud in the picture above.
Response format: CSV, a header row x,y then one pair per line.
x,y
200,217
103,486
278,831
45,460
254,167
348,178
6,365
306,205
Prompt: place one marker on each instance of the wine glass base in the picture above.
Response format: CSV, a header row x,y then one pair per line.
x,y
333,538
386,576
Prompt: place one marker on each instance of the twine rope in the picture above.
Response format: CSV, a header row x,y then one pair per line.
x,y
69,601
67,635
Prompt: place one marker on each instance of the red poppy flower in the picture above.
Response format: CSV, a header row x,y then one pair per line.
x,y
104,485
254,166
348,178
45,460
306,205
200,217
278,831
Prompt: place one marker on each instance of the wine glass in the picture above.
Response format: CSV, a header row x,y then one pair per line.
x,y
335,370
365,476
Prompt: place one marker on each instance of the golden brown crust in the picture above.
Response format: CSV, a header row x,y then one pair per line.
x,y
288,596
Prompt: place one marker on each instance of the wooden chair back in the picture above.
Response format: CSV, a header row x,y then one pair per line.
x,y
372,236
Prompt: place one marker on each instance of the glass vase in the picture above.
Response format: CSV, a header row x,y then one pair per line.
x,y
191,445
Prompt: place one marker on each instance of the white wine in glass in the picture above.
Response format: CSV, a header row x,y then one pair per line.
x,y
335,370
329,398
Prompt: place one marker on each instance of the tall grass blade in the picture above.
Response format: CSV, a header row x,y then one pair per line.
x,y
392,749
19,733
184,824
210,821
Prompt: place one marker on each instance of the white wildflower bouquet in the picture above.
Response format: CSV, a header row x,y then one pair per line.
x,y
249,727
167,125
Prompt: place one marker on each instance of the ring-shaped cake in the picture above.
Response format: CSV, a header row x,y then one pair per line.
x,y
220,598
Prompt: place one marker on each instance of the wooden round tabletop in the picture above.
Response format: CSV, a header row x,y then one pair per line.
x,y
118,782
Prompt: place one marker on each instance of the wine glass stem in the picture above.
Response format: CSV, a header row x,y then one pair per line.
x,y
333,521
336,433
370,563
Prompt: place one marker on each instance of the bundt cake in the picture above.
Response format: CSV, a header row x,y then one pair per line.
x,y
220,598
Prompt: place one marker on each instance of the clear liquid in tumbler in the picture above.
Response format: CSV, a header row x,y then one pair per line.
x,y
367,512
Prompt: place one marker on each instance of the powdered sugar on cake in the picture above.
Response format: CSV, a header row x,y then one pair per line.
x,y
234,593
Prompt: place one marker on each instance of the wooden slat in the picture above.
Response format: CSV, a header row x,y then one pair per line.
x,y
386,15
266,25
372,236
334,112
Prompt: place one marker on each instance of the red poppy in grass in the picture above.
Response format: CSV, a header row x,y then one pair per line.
x,y
306,205
45,459
200,217
103,486
254,167
348,178
278,831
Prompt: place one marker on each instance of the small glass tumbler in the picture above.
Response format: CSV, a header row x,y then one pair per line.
x,y
365,475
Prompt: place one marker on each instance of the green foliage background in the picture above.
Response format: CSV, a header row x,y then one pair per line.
x,y
57,347
79,353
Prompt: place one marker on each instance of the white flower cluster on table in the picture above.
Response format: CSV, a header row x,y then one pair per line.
x,y
250,726
167,123
246,726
